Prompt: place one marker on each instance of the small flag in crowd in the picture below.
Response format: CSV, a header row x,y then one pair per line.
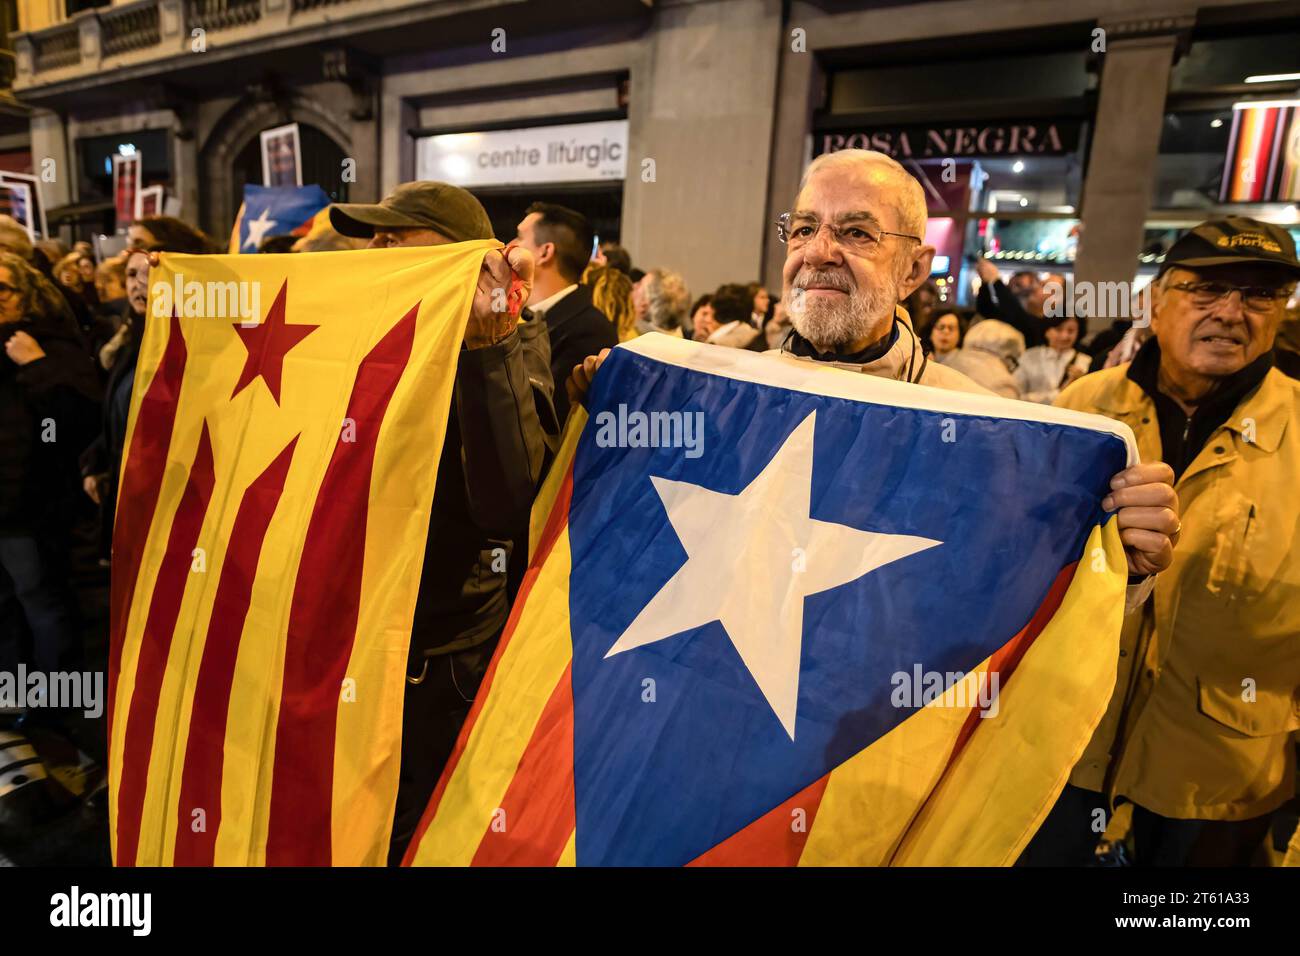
x,y
276,211
779,614
284,434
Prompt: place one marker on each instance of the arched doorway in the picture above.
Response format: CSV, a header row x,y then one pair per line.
x,y
322,164
232,153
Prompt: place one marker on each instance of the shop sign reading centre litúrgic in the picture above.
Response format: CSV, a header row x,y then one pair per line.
x,y
575,152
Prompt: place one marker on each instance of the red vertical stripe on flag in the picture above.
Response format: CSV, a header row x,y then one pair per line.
x,y
555,524
1004,660
155,645
137,495
537,814
323,617
205,748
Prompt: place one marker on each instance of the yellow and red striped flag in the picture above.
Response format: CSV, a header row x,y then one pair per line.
x,y
285,428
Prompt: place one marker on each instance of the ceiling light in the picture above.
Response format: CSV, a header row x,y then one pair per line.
x,y
1216,122
1018,166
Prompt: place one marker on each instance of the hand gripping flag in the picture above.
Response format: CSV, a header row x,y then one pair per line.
x,y
276,211
785,614
286,423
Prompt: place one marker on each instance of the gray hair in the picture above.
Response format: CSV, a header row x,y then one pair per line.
x,y
908,201
993,335
667,299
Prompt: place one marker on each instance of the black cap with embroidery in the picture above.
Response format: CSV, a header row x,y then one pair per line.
x,y
1234,240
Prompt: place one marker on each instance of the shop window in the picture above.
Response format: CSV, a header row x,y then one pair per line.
x,y
1212,64
95,172
322,163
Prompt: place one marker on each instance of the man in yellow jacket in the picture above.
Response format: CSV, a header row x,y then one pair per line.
x,y
1198,733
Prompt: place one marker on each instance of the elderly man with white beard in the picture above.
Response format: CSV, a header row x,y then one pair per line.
x,y
854,250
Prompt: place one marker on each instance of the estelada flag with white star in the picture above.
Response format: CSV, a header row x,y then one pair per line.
x,y
286,424
779,613
276,211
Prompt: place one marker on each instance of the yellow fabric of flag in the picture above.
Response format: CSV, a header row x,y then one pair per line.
x,y
286,424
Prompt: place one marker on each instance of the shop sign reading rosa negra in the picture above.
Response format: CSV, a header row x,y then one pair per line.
x,y
1024,138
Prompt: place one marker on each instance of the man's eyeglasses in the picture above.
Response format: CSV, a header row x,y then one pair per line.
x,y
858,236
7,291
1253,298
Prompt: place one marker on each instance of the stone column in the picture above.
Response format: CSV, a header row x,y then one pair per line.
x,y
701,113
50,141
1122,158
798,92
92,41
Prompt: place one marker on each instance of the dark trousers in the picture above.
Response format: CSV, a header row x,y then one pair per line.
x,y
1164,841
432,714
33,576
1069,836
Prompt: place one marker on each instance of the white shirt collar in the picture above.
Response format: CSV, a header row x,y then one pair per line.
x,y
541,308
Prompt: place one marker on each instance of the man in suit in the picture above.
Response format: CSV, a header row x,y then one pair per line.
x,y
561,242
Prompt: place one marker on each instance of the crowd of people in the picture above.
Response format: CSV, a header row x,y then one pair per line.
x,y
1203,774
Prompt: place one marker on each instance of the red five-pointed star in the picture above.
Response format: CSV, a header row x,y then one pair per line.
x,y
267,344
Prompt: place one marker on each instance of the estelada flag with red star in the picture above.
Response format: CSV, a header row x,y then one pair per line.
x,y
285,428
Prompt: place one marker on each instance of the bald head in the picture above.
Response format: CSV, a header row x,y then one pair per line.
x,y
880,172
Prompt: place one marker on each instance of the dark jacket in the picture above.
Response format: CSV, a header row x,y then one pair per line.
x,y
47,414
576,329
490,467
996,301
104,455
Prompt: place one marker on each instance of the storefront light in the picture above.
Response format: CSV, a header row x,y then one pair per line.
x,y
1273,78
1216,123
1252,104
1018,166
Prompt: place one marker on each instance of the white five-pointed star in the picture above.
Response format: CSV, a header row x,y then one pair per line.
x,y
257,228
752,558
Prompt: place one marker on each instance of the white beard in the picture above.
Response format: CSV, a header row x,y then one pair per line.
x,y
831,325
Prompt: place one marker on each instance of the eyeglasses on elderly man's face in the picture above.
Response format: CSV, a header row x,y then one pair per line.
x,y
1259,300
854,234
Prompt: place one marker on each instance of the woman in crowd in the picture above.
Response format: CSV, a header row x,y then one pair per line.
x,y
1046,369
762,304
778,326
922,303
611,293
703,321
169,234
733,311
942,338
48,406
102,460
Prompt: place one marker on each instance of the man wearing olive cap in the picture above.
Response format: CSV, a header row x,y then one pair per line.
x,y
1198,733
491,463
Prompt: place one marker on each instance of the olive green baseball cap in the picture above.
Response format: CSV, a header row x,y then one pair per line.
x,y
450,210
